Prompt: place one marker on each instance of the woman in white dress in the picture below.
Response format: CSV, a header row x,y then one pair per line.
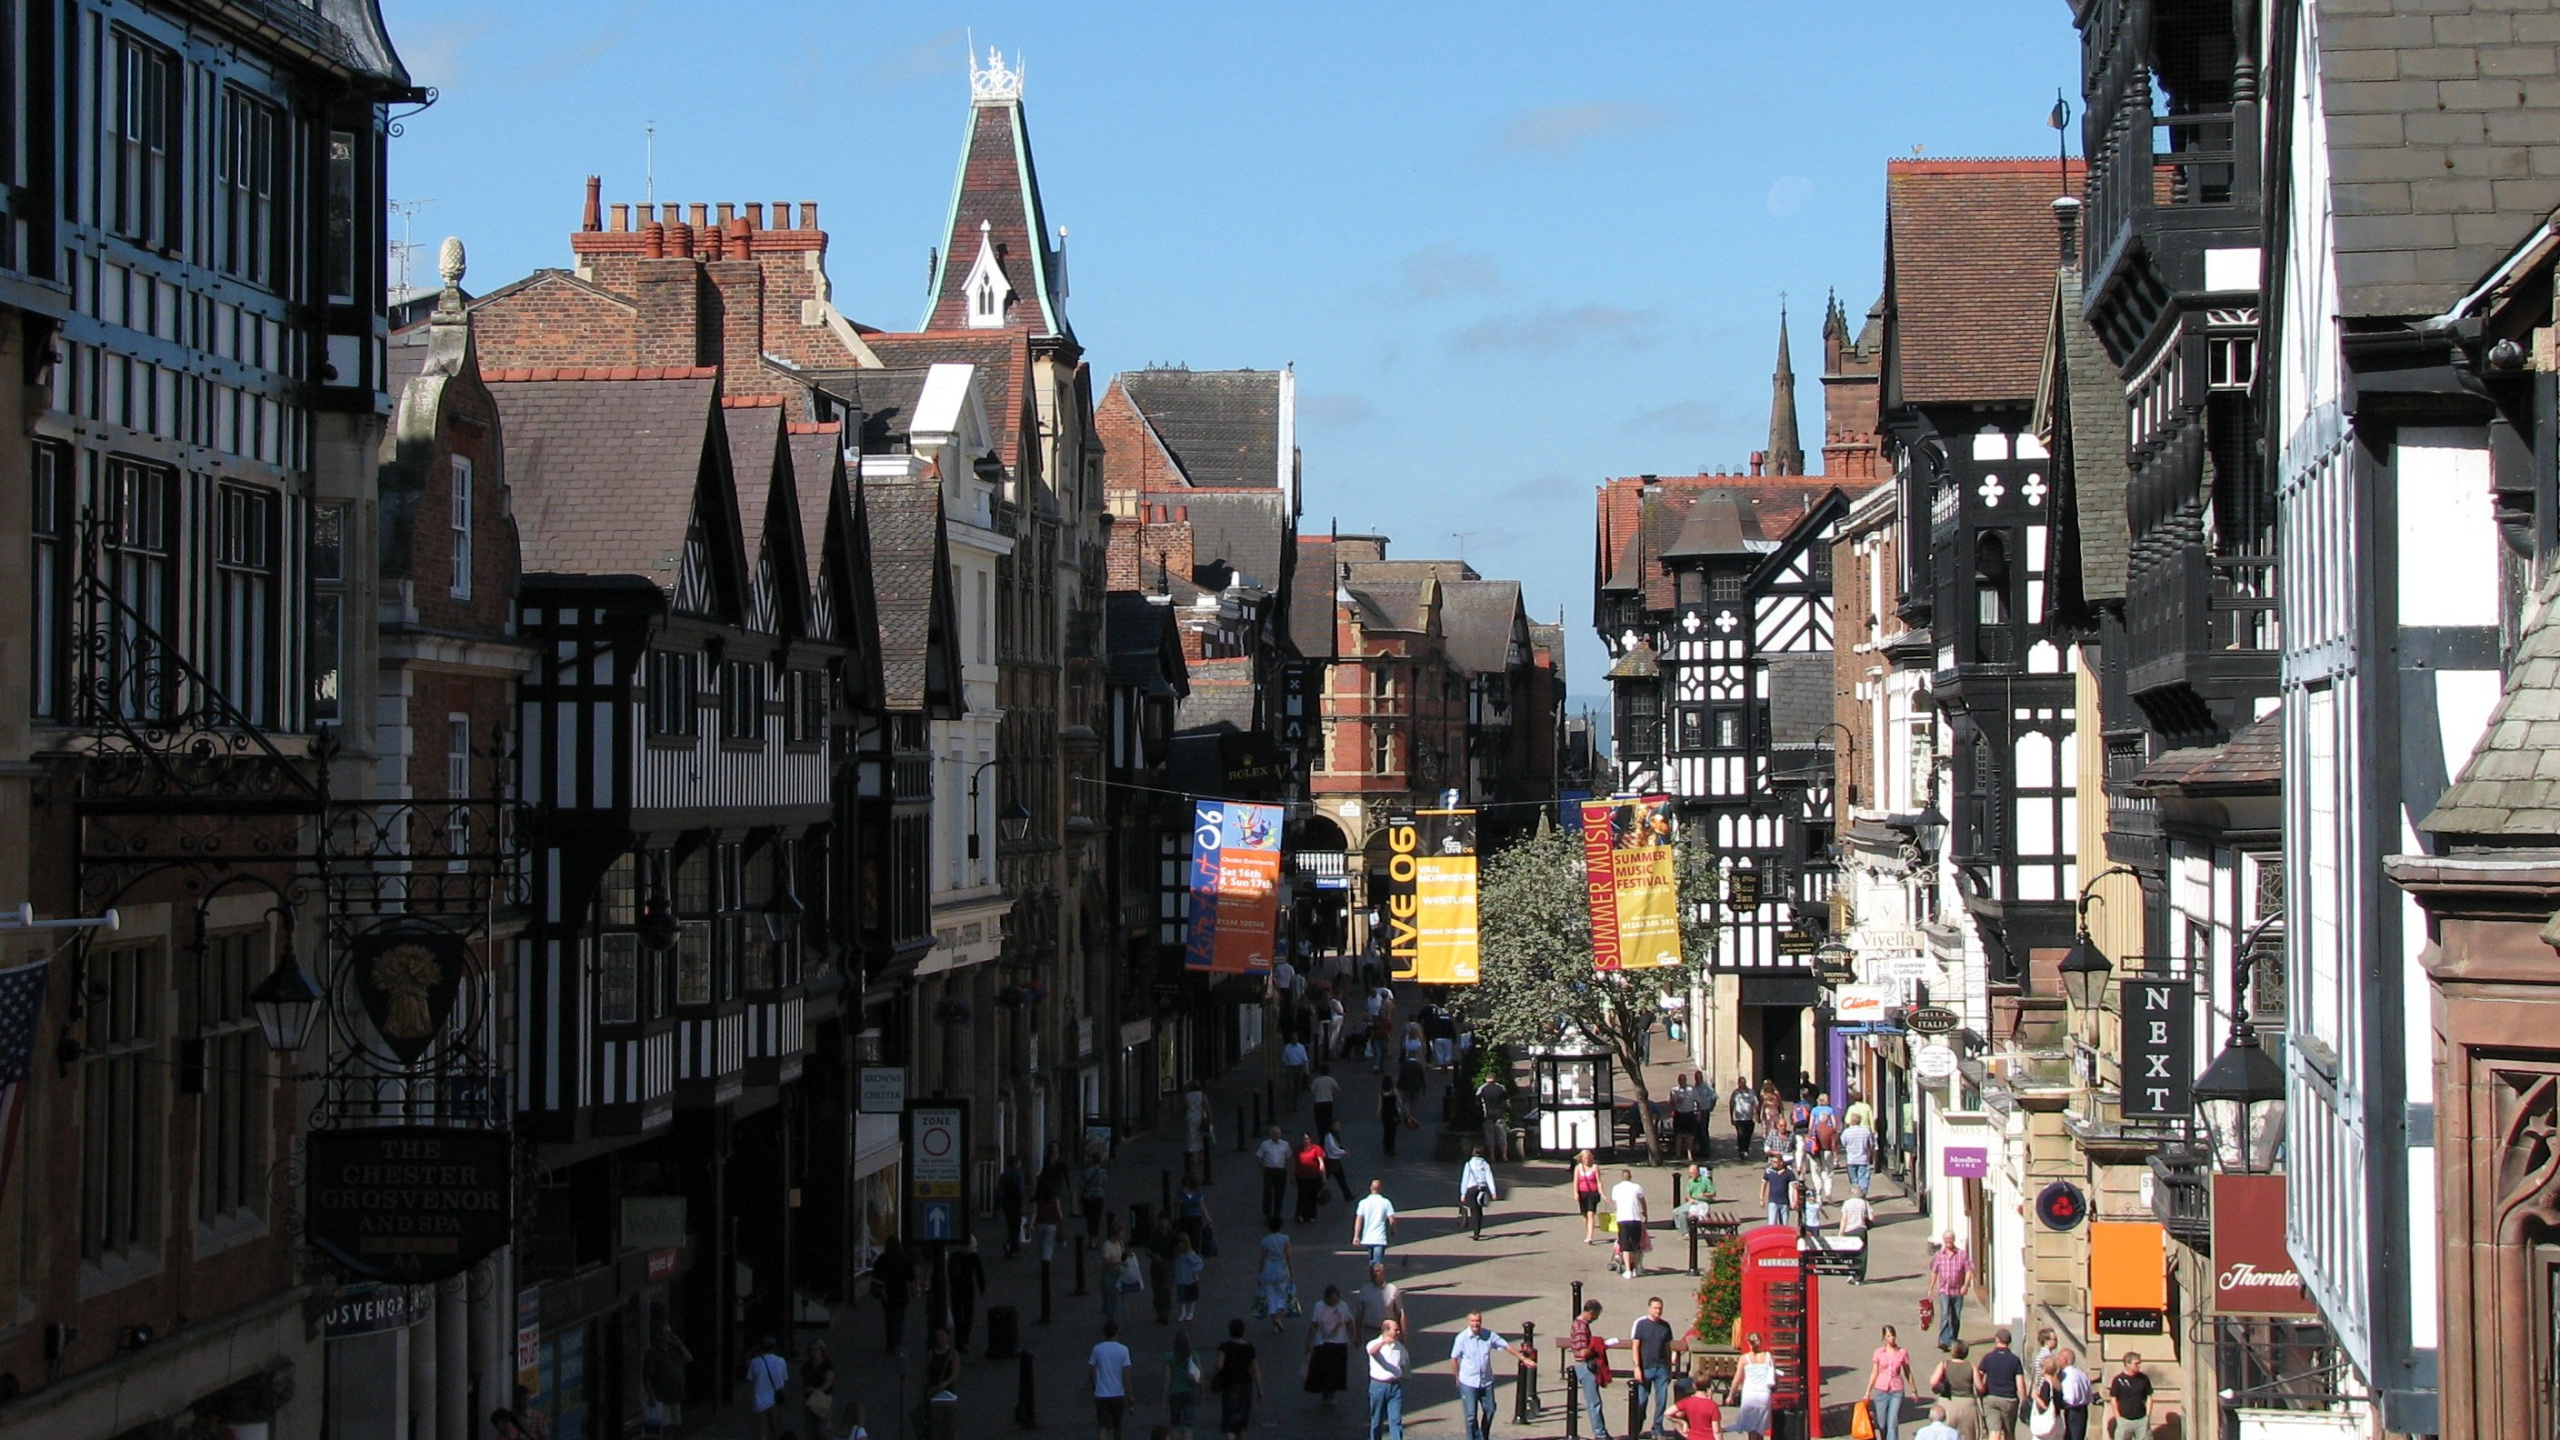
x,y
1753,1379
1329,1346
1279,1274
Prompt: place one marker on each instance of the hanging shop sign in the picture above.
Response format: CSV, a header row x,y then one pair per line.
x,y
1860,1004
1933,1061
2159,1049
410,1203
408,980
1634,888
1446,948
883,1090
2128,1276
1931,1020
1796,939
1966,1162
652,1222
2062,1206
2252,1273
1235,888
370,1309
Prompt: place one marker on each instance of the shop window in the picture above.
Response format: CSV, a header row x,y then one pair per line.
x,y
230,1066
121,1078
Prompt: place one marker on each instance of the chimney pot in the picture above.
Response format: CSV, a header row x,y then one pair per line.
x,y
1182,514
621,218
680,240
653,240
2066,221
728,212
593,218
808,214
1758,456
701,216
755,214
712,246
781,214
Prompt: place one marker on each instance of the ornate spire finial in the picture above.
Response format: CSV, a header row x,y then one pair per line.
x,y
449,261
996,84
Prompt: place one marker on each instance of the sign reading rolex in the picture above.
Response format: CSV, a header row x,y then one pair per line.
x,y
409,1203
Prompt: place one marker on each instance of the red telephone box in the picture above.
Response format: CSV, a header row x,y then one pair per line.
x,y
1781,1303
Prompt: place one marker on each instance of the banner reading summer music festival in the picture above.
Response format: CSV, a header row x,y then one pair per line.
x,y
1235,887
1635,910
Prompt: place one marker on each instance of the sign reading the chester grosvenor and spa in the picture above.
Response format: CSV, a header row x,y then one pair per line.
x,y
411,1203
1235,887
2159,1049
2252,1273
1628,864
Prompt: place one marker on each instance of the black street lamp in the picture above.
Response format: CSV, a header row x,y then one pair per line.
x,y
783,913
657,919
288,999
1015,822
2086,968
2240,1097
1928,828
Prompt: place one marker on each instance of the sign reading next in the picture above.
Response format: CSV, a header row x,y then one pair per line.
x,y
2159,1049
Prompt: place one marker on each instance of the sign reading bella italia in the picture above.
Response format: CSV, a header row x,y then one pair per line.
x,y
2252,1274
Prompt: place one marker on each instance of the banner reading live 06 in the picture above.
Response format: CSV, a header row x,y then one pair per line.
x,y
1627,858
1235,887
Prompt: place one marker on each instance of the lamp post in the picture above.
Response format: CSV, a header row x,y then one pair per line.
x,y
1013,824
2086,968
2240,1097
783,912
287,1000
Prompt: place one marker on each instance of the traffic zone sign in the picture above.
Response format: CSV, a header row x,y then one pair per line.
x,y
937,1171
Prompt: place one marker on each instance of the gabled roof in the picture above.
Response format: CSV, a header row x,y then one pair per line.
x,y
884,399
1719,523
998,189
2081,415
1249,530
835,533
1221,697
1003,361
911,583
1389,604
1481,618
607,473
1640,663
1142,645
1637,529
1970,254
1313,610
1222,427
2509,791
755,449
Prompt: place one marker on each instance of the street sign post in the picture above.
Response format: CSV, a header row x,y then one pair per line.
x,y
937,1171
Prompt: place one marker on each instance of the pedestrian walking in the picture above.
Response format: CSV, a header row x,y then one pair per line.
x,y
1387,1360
1093,1191
1013,1197
1586,1193
964,1279
1162,1244
1307,1164
1777,1192
1294,1064
941,1385
1337,1161
1380,1301
1049,1202
1701,1418
767,1376
1191,1213
1628,1202
1238,1382
1330,1329
1746,1112
893,1279
1858,1153
1390,1116
1273,1155
1938,1427
1950,1276
1588,1353
1119,1276
1653,1340
1493,1102
1323,1091
1373,1222
1953,1383
662,1378
2045,1418
2129,1402
1857,1217
1187,1266
1475,1191
1412,1076
1704,1102
2000,1378
1329,1008
1279,1274
1471,1364
1182,1385
1755,1377
817,1385
1822,1149
1195,1130
2076,1393
1109,1363
1684,1117
1888,1384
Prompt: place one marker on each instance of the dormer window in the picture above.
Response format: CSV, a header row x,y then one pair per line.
x,y
987,289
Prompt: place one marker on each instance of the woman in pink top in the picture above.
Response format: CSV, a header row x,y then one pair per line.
x,y
1888,1380
1586,1192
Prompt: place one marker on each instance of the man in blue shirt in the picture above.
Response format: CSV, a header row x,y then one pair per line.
x,y
1471,1361
1776,1187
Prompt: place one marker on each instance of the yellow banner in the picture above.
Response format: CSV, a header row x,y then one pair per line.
x,y
1648,908
1445,895
1634,887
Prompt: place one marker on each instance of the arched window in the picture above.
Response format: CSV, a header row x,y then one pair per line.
x,y
1991,580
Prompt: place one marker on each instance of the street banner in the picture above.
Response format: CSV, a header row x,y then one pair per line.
x,y
1634,888
1235,888
1400,907
2253,1274
1445,898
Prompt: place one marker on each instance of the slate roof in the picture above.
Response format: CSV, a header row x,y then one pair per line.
x,y
1388,604
1140,648
2444,145
999,186
2081,413
2509,791
1640,663
1719,523
1247,529
1312,608
2251,761
816,456
604,472
755,436
1480,617
1221,698
1800,697
1635,529
1970,257
1221,426
1003,361
906,560
885,399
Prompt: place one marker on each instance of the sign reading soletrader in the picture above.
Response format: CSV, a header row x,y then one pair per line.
x,y
410,1203
937,1208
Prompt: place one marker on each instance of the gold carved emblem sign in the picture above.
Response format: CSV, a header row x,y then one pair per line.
x,y
408,980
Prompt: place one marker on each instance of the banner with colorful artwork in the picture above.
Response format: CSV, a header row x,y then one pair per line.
x,y
1444,883
1634,885
1235,888
1400,904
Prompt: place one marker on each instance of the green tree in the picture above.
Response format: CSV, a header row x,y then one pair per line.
x,y
1536,977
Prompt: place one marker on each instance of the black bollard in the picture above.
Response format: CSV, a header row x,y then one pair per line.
x,y
1044,1290
1259,1113
1524,1388
1693,1249
1572,1397
1242,1144
1635,1400
1080,1267
1026,1401
1164,1192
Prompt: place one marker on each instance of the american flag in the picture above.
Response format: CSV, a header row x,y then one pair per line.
x,y
21,1006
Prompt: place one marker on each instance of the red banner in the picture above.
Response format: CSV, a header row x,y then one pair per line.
x,y
2253,1274
1599,864
1627,856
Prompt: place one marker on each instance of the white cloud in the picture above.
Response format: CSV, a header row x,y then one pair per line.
x,y
1555,130
1555,327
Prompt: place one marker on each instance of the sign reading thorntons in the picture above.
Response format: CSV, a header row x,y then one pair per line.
x,y
2159,1050
1235,887
2252,1273
411,1203
1628,863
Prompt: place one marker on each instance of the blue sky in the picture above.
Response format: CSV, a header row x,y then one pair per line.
x,y
1512,249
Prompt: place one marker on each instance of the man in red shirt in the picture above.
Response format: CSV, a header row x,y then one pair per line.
x,y
1700,1417
1310,1168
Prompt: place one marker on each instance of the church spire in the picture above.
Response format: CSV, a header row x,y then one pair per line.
x,y
1786,449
